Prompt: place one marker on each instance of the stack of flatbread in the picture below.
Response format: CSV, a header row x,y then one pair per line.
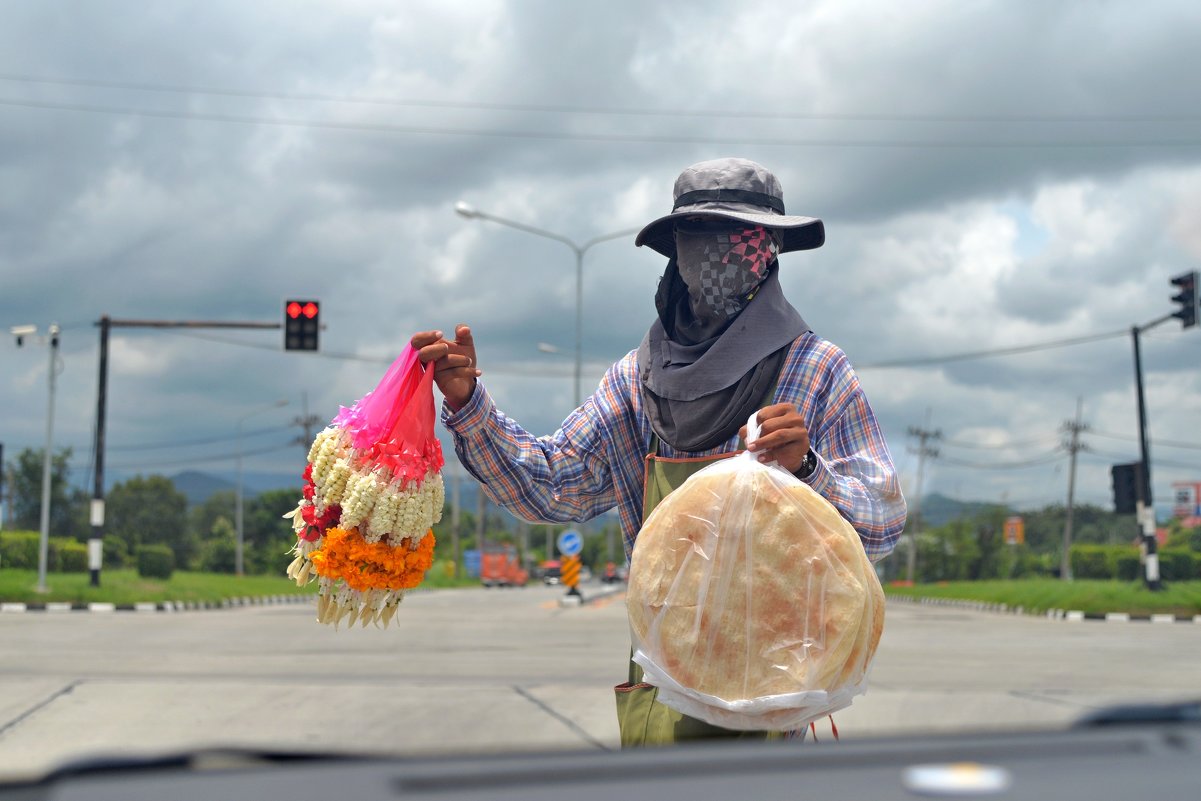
x,y
752,604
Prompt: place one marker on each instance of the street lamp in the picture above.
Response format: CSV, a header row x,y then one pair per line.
x,y
19,332
238,511
467,211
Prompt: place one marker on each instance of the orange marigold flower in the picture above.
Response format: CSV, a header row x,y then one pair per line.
x,y
345,555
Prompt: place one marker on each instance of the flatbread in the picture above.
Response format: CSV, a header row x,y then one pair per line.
x,y
794,607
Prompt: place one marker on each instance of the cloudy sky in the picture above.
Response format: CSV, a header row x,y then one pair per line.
x,y
992,175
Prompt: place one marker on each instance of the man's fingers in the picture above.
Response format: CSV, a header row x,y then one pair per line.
x,y
774,411
423,338
786,422
463,336
432,353
457,361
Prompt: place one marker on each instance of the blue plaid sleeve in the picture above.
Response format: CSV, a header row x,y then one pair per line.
x,y
854,469
558,478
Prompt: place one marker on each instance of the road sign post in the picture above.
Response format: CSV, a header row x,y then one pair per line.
x,y
570,544
571,574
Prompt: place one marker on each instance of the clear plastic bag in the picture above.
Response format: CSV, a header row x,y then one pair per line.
x,y
752,603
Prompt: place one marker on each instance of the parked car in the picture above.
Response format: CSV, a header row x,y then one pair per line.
x,y
550,570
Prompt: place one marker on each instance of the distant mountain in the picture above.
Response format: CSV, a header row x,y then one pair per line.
x,y
937,510
198,486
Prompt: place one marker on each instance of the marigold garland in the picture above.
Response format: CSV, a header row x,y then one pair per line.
x,y
372,565
372,492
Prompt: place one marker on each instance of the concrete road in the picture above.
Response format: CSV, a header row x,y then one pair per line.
x,y
486,670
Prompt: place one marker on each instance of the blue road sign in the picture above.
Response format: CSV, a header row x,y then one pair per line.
x,y
471,561
570,542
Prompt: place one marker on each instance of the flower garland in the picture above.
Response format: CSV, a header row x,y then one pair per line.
x,y
364,523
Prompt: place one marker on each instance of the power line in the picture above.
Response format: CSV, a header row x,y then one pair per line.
x,y
1114,457
183,443
896,363
498,369
224,457
1165,442
627,138
980,354
1046,459
1002,446
594,110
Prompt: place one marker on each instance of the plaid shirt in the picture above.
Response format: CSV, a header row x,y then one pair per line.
x,y
595,461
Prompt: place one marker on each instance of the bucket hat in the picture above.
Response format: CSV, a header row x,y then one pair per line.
x,y
732,189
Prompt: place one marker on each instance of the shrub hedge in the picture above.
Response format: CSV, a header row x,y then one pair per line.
x,y
1123,562
155,561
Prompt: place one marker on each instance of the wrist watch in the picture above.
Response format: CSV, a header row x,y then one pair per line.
x,y
808,464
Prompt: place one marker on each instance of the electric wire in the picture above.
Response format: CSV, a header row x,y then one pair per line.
x,y
1167,443
184,443
591,110
980,354
625,138
223,457
1002,446
1055,456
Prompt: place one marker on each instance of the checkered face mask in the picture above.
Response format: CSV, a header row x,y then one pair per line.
x,y
722,265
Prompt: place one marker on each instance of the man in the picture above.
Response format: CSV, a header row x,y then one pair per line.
x,y
725,344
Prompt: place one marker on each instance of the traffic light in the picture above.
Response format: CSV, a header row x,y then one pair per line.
x,y
302,324
1126,481
1187,298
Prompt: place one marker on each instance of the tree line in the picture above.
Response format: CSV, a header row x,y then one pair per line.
x,y
973,547
151,511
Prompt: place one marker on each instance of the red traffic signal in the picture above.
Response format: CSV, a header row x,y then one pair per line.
x,y
302,324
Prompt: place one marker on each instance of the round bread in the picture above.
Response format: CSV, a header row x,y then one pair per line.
x,y
794,606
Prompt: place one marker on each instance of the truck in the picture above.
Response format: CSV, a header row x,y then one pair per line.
x,y
500,567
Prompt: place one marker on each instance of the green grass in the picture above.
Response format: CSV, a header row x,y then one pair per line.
x,y
1182,598
127,587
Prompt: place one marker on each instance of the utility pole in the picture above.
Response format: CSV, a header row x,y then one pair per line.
x,y
105,323
455,500
21,332
47,457
1144,508
481,508
1073,428
924,435
306,421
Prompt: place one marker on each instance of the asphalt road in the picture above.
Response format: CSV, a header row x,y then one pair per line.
x,y
503,670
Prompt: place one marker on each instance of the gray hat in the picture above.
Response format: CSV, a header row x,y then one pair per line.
x,y
732,189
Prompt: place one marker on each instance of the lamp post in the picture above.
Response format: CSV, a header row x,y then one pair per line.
x,y
20,332
469,212
238,511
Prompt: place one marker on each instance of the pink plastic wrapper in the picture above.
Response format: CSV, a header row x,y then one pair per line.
x,y
393,425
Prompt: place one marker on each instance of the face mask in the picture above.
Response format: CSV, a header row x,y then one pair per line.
x,y
722,265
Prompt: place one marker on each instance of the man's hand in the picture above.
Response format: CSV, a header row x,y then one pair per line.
x,y
783,436
455,367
